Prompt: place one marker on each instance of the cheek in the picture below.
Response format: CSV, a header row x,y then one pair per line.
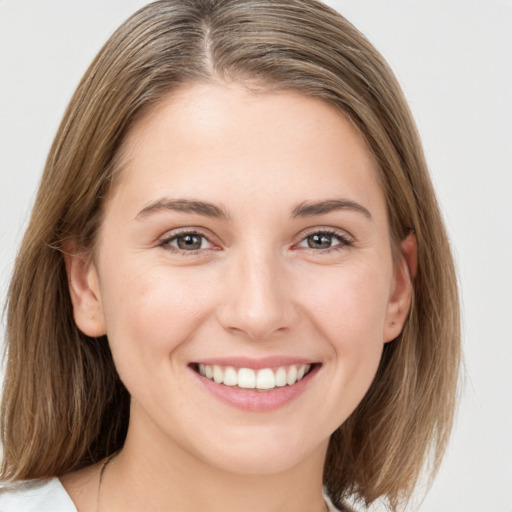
x,y
149,313
349,311
349,306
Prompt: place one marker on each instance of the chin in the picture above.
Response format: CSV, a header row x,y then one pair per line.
x,y
264,454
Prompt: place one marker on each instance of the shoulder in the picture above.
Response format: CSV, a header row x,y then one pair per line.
x,y
35,496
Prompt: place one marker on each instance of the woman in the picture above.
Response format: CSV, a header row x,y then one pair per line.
x,y
236,290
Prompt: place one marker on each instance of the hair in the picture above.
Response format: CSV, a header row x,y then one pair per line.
x,y
64,406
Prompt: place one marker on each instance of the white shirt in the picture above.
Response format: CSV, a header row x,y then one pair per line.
x,y
36,496
46,496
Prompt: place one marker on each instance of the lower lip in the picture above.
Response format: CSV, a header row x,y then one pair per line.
x,y
254,400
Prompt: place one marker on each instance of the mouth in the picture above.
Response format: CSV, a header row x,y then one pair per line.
x,y
256,385
262,379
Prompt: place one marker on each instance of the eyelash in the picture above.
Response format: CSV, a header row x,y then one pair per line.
x,y
343,239
165,243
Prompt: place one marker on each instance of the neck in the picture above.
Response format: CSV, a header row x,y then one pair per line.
x,y
151,475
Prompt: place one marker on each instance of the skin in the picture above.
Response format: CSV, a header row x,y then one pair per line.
x,y
254,289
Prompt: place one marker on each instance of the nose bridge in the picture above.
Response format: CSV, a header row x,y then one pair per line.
x,y
258,302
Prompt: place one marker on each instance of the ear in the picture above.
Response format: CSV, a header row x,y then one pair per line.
x,y
402,289
84,290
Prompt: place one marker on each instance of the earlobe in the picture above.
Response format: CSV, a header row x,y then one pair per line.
x,y
84,291
402,290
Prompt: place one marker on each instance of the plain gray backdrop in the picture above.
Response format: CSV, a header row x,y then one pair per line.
x,y
454,61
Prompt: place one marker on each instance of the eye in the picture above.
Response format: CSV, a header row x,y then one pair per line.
x,y
188,242
325,241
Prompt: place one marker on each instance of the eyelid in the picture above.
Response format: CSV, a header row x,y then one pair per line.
x,y
346,239
164,240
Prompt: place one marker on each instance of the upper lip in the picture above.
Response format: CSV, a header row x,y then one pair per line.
x,y
255,363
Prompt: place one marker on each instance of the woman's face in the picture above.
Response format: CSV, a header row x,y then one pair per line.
x,y
246,243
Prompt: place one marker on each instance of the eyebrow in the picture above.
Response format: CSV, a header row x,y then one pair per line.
x,y
304,209
309,209
183,205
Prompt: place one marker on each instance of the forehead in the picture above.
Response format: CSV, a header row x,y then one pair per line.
x,y
209,138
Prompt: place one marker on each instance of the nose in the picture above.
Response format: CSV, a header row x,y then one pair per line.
x,y
258,300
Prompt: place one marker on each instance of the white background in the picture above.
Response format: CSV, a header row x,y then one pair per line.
x,y
454,61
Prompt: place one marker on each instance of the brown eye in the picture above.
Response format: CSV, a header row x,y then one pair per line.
x,y
324,241
188,242
320,241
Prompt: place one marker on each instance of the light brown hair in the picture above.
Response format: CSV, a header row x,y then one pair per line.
x,y
64,406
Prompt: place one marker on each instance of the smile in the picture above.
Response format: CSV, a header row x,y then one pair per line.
x,y
256,385
247,378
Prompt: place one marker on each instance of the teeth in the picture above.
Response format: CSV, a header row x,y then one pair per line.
x,y
218,374
230,376
281,377
266,379
291,376
300,372
247,378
